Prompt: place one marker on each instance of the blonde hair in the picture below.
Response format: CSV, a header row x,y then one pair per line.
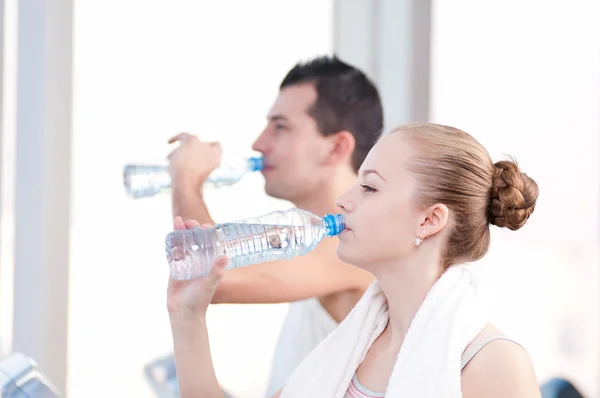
x,y
454,169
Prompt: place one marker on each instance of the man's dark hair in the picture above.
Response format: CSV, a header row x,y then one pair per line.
x,y
346,100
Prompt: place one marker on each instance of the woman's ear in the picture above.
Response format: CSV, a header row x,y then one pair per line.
x,y
434,220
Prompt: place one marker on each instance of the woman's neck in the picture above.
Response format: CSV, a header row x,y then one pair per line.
x,y
405,286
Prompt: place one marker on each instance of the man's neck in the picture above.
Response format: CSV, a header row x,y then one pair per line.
x,y
323,201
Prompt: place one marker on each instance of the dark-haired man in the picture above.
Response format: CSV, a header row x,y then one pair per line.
x,y
321,126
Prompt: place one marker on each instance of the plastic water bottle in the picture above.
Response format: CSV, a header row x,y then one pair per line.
x,y
148,180
279,235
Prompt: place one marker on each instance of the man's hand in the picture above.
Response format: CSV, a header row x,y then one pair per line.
x,y
193,161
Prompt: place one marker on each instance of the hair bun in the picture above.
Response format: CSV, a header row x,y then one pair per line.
x,y
513,196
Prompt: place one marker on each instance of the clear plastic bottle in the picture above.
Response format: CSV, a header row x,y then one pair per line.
x,y
148,180
279,235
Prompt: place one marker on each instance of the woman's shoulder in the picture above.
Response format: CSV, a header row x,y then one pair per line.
x,y
500,367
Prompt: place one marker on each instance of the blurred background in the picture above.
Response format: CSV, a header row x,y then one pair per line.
x,y
88,86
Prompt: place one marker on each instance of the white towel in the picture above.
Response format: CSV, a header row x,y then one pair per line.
x,y
428,364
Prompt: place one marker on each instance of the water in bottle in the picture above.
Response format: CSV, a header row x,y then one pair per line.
x,y
148,180
279,235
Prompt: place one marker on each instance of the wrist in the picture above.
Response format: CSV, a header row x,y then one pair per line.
x,y
187,320
186,183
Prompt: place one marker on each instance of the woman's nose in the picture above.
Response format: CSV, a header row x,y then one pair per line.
x,y
344,204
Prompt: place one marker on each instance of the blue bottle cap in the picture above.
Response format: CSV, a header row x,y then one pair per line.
x,y
256,164
334,224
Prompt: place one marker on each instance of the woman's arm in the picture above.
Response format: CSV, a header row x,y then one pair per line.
x,y
193,361
187,302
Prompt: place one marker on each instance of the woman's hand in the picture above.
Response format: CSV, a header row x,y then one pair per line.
x,y
192,297
187,302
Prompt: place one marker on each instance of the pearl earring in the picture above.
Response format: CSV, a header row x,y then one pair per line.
x,y
418,239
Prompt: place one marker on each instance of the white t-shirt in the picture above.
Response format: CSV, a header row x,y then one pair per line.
x,y
305,325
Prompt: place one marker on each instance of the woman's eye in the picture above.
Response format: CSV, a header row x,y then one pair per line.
x,y
367,188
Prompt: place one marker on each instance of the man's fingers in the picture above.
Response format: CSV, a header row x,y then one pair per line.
x,y
180,137
216,147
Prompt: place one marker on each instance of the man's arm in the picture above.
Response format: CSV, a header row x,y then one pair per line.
x,y
189,166
188,203
318,274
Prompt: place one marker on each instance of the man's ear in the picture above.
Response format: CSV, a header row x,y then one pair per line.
x,y
341,148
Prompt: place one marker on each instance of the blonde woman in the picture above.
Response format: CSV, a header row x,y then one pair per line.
x,y
422,207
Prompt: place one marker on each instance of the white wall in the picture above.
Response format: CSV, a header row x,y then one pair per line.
x,y
524,79
35,185
143,72
7,170
389,40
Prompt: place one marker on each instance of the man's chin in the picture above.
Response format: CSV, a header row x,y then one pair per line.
x,y
276,191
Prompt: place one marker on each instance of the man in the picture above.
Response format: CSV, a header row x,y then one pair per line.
x,y
323,123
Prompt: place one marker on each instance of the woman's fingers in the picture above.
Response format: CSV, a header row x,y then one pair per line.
x,y
219,268
178,223
191,224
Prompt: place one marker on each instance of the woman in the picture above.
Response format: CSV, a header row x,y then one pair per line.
x,y
422,206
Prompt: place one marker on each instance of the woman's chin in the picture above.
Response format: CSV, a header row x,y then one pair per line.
x,y
348,255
